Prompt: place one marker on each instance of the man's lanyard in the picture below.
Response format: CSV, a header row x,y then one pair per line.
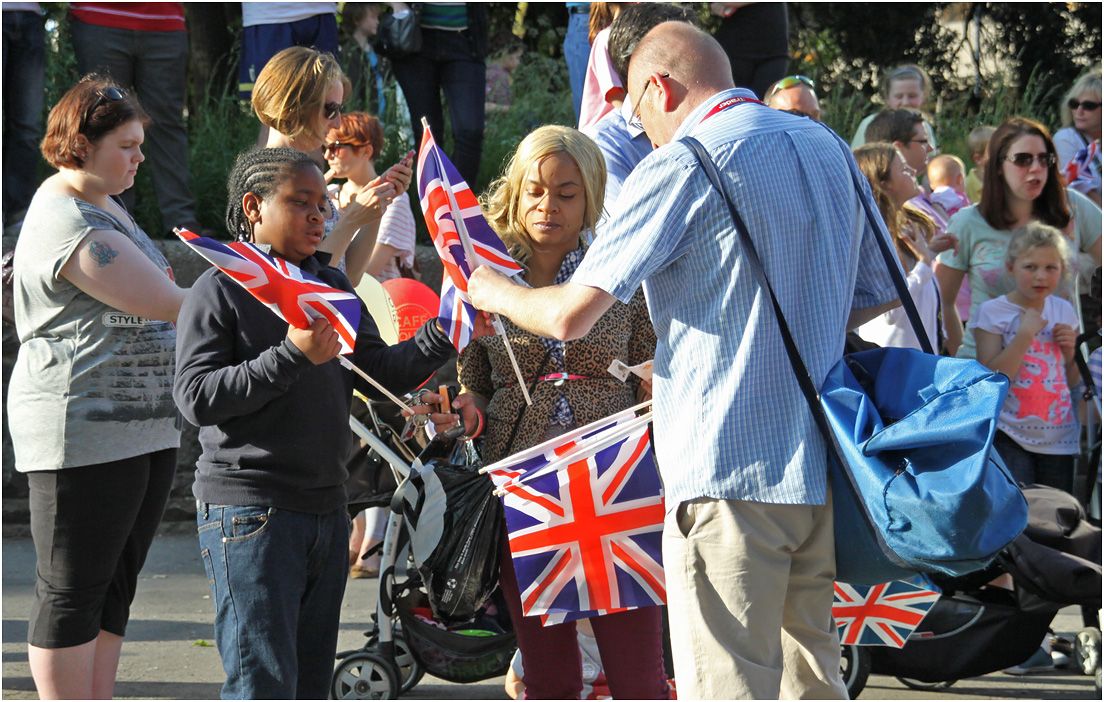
x,y
727,103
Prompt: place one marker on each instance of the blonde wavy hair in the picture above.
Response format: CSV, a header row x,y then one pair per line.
x,y
290,92
501,201
1088,83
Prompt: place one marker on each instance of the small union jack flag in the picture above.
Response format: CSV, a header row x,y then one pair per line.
x,y
296,296
880,615
551,452
445,197
588,536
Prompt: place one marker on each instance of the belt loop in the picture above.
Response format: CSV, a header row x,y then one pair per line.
x,y
206,509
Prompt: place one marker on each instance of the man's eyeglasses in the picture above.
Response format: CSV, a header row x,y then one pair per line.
x,y
335,145
634,121
925,142
790,82
108,94
1024,160
1089,105
332,110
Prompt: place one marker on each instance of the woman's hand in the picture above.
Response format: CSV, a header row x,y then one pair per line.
x,y
1066,338
943,242
368,205
463,406
400,176
319,343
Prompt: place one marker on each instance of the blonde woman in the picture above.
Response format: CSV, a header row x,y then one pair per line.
x,y
299,96
542,208
1081,127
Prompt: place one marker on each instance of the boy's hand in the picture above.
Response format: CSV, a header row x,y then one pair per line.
x,y
320,343
462,405
1066,338
1032,323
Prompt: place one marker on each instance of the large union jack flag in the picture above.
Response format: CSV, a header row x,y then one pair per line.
x,y
586,538
1085,165
444,197
296,296
880,615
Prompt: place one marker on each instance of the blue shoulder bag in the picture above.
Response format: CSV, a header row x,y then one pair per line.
x,y
916,484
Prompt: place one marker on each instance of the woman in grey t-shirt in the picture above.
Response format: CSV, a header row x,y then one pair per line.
x,y
90,399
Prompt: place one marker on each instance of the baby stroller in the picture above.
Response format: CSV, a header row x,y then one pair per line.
x,y
413,630
975,628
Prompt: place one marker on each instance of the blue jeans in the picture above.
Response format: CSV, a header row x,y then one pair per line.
x,y
448,61
277,578
1028,467
576,48
24,80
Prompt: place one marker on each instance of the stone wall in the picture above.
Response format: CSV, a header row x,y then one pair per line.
x,y
187,266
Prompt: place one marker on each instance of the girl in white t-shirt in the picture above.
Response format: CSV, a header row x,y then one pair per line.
x,y
1029,335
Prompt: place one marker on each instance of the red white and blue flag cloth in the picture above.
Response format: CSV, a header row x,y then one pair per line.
x,y
881,615
437,180
296,296
1085,166
585,537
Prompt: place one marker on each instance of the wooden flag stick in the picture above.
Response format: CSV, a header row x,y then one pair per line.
x,y
349,364
473,260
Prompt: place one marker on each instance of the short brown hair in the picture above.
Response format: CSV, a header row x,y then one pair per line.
x,y
290,91
74,115
894,124
359,129
1049,208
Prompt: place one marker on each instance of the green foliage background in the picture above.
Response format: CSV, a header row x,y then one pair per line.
x,y
844,47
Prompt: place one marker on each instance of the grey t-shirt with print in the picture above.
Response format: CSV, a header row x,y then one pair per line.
x,y
90,384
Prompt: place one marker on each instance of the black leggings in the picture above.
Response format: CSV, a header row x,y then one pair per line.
x,y
92,527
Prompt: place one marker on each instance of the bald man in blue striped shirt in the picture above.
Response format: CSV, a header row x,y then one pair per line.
x,y
748,542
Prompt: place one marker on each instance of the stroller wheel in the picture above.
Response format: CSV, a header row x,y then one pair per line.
x,y
364,676
410,670
928,686
854,668
1087,650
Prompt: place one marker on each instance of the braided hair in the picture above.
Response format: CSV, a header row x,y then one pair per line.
x,y
258,171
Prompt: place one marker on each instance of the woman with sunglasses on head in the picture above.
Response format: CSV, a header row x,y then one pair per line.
x,y
1081,129
90,399
298,95
351,151
1021,185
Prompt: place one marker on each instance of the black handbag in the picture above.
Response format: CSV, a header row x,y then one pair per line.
x,y
400,36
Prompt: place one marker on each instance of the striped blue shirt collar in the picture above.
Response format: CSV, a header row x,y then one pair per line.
x,y
694,118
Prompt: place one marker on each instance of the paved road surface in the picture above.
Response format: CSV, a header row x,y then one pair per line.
x,y
164,656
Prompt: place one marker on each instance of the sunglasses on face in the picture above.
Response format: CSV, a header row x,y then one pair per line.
x,y
335,145
1089,105
332,110
792,81
108,94
1024,160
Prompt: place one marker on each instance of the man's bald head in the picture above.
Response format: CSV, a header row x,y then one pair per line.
x,y
689,55
800,98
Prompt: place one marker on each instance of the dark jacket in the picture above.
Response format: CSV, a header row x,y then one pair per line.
x,y
274,427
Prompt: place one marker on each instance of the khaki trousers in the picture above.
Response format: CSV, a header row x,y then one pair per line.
x,y
749,589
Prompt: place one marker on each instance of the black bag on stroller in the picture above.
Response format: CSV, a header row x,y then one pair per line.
x,y
1055,562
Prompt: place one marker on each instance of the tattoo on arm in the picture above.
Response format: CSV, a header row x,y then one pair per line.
x,y
102,253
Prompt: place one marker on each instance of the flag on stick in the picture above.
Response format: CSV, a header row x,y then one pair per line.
x,y
463,240
291,293
586,538
880,615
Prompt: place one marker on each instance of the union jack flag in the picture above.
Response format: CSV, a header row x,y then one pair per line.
x,y
444,196
548,455
1085,165
880,615
587,538
296,296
